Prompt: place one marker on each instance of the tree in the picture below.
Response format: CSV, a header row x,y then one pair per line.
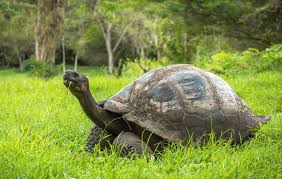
x,y
48,29
78,16
265,23
16,32
74,27
113,21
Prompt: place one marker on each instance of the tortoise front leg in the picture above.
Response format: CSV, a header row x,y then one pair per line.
x,y
98,136
129,143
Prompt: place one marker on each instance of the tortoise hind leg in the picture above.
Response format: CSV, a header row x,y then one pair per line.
x,y
98,136
129,143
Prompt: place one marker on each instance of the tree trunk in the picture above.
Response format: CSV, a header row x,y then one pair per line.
x,y
75,60
111,61
48,29
20,61
64,54
141,57
156,41
7,61
185,47
109,49
63,40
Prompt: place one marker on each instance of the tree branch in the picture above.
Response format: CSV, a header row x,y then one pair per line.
x,y
101,26
109,29
122,35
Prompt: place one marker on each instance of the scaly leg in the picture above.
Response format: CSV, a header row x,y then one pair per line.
x,y
98,136
129,143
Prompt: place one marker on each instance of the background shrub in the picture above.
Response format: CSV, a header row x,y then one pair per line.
x,y
41,69
249,61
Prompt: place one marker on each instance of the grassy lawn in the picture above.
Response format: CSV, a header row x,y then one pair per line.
x,y
43,131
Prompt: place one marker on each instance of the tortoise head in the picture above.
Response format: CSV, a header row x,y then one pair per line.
x,y
77,83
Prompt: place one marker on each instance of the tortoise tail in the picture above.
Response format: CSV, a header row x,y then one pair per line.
x,y
263,119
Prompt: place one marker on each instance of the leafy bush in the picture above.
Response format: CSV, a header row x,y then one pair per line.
x,y
40,69
229,63
206,46
249,61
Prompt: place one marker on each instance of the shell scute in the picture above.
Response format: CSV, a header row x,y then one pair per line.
x,y
192,85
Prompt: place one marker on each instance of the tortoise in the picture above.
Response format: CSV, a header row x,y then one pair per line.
x,y
176,103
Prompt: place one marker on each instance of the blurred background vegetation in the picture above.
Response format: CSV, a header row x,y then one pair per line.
x,y
133,36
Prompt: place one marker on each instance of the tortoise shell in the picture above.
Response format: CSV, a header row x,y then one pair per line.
x,y
179,101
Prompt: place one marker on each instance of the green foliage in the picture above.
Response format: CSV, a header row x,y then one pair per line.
x,y
41,69
154,29
206,46
249,61
138,67
16,35
43,131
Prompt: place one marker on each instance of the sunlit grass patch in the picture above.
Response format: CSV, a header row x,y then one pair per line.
x,y
43,131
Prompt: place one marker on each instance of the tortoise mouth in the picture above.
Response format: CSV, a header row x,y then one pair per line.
x,y
69,83
69,80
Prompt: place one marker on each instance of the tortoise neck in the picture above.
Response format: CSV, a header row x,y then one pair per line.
x,y
98,115
92,109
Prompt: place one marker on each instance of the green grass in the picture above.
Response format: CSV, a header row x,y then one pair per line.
x,y
43,131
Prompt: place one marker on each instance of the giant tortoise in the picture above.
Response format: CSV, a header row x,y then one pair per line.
x,y
176,103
